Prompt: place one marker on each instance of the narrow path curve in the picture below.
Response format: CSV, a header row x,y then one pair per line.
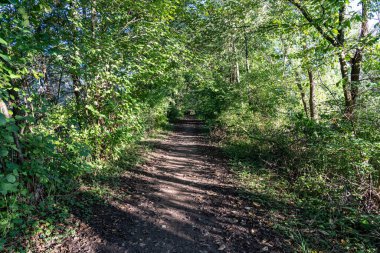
x,y
182,200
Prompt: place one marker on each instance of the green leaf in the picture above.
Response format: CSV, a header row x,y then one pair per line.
x,y
13,76
15,172
3,42
12,128
3,152
11,178
7,187
8,138
5,57
3,119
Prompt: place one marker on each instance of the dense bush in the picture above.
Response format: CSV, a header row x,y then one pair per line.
x,y
330,173
82,83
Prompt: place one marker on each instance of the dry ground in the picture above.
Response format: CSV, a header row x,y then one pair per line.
x,y
183,199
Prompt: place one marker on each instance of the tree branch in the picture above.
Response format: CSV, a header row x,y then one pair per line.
x,y
309,18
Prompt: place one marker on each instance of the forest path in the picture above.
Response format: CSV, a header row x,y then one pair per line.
x,y
182,200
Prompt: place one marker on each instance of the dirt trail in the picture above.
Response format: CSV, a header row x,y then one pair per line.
x,y
182,200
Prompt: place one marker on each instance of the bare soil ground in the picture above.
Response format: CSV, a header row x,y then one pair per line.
x,y
184,199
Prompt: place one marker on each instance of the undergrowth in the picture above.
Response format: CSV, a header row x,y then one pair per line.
x,y
318,184
312,224
32,222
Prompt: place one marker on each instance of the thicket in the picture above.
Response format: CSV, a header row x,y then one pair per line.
x,y
81,82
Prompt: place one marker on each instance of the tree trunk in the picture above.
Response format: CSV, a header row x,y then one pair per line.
x,y
303,95
357,59
237,72
48,91
350,80
4,110
312,103
345,84
246,53
247,67
93,18
235,75
59,87
76,84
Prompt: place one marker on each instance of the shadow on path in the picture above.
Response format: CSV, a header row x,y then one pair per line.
x,y
182,200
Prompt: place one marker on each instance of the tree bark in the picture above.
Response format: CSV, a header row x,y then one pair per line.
x,y
351,80
76,88
236,64
93,18
312,102
303,95
247,67
237,72
357,59
48,91
59,87
4,110
246,53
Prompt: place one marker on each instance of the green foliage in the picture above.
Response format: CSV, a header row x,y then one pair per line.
x,y
83,81
321,173
258,62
